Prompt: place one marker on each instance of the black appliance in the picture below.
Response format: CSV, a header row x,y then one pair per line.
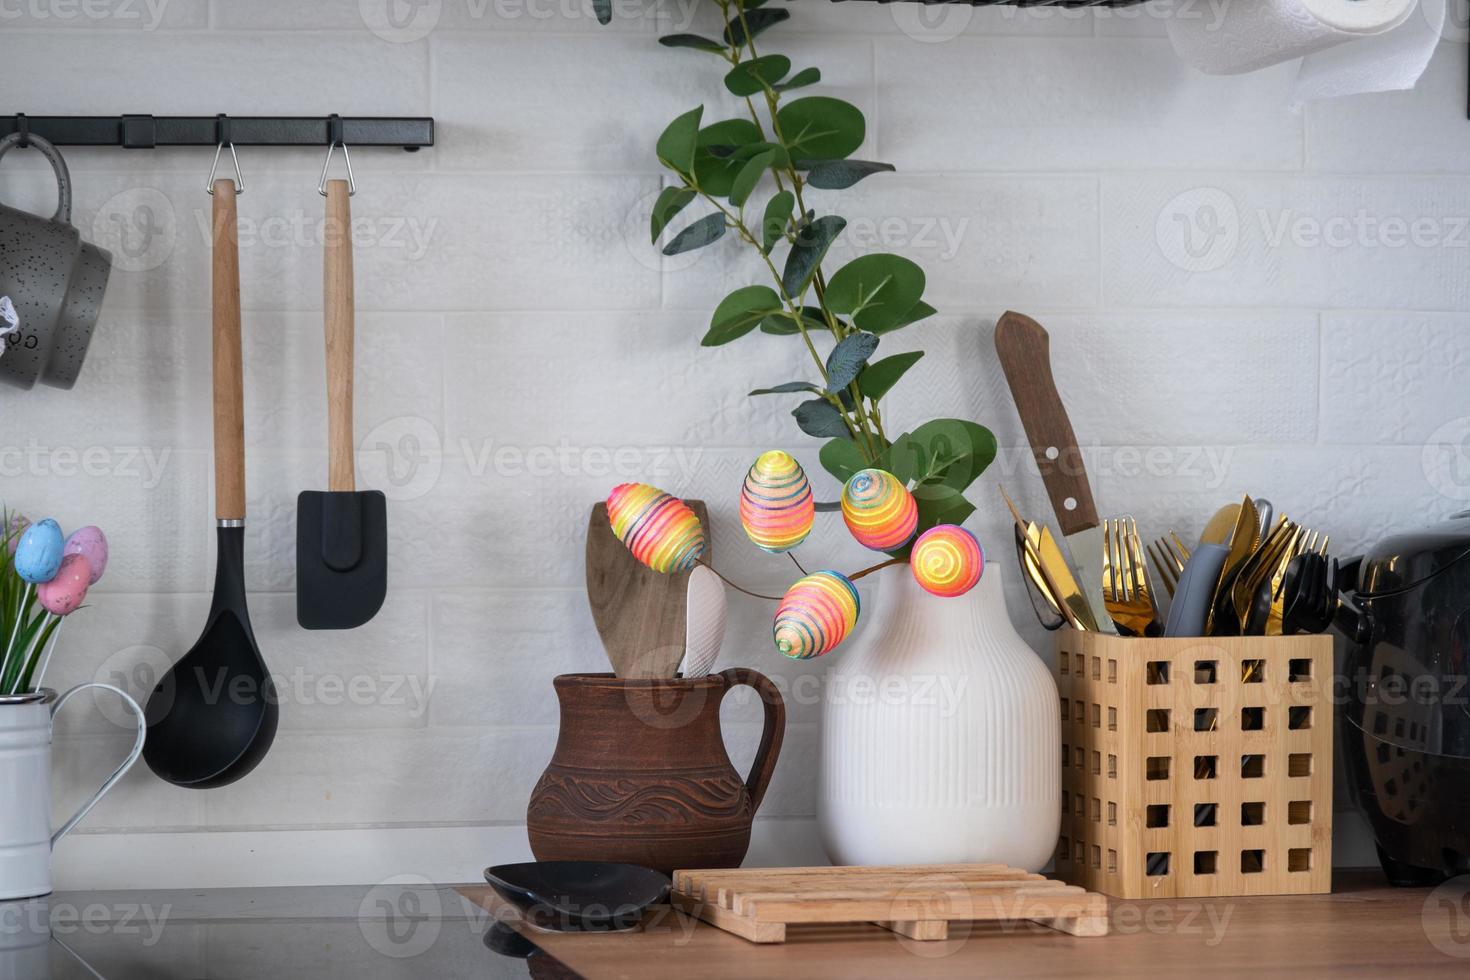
x,y
1406,698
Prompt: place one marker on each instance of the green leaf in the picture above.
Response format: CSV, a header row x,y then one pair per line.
x,y
905,458
877,378
958,451
757,21
876,290
812,241
781,323
847,358
686,40
671,200
739,313
842,458
749,175
603,10
777,151
752,77
788,388
705,231
819,418
773,224
714,164
821,128
919,311
940,504
677,142
803,78
835,175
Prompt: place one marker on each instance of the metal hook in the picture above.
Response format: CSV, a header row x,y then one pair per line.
x,y
222,139
334,140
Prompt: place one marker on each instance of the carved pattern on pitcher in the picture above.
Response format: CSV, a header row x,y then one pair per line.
x,y
619,799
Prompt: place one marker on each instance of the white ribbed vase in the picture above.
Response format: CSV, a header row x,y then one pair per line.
x,y
940,734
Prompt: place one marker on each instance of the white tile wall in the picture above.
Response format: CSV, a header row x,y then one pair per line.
x,y
1239,299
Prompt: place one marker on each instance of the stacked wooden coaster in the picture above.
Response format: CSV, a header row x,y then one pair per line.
x,y
917,901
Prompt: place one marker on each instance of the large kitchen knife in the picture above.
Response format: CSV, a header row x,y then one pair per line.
x,y
1025,356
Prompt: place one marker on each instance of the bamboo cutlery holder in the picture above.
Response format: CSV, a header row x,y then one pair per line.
x,y
1195,766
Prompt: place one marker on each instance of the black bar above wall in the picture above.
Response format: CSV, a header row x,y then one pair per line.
x,y
142,132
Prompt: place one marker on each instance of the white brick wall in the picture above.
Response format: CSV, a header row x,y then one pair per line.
x,y
1181,236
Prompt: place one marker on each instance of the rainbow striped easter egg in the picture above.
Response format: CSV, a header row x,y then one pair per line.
x,y
947,560
879,510
776,506
815,615
659,529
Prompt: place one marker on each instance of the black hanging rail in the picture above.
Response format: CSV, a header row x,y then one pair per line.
x,y
143,132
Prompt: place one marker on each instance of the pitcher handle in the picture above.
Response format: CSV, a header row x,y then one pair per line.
x,y
121,771
771,736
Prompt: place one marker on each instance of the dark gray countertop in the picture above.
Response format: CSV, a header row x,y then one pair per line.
x,y
398,929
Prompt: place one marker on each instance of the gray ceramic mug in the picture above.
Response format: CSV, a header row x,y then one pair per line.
x,y
55,280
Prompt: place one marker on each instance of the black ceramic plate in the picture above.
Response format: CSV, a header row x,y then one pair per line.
x,y
579,896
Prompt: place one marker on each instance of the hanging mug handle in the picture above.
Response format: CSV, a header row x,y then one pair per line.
x,y
121,770
58,165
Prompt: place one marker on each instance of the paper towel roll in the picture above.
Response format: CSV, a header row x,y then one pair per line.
x,y
1244,35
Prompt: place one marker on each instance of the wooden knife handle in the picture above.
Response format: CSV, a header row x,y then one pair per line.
x,y
337,302
1025,356
229,384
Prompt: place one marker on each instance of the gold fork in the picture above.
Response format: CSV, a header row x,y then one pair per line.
x,y
1126,591
1169,559
1277,545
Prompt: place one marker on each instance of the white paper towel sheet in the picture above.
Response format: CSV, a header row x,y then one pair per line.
x,y
1347,46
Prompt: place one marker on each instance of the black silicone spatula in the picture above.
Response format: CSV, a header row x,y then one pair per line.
x,y
213,716
342,534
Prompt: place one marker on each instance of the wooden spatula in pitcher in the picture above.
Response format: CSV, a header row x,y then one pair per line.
x,y
641,614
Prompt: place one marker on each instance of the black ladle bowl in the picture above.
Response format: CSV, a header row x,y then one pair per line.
x,y
213,716
579,896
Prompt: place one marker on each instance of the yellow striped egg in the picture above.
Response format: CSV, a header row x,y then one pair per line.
x,y
815,615
659,529
947,560
879,510
776,506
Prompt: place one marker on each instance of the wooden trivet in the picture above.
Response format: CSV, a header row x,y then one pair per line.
x,y
917,901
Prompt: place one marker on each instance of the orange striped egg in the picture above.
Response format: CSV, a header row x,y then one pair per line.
x,y
815,615
879,510
660,530
776,507
947,560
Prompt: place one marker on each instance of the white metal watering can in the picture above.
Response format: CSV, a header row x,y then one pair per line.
x,y
26,837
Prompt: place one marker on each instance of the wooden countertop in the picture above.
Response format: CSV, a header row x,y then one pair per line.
x,y
1364,928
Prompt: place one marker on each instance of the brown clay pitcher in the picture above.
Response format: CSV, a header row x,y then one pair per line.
x,y
640,773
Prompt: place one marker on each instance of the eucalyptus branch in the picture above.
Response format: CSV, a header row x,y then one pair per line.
x,y
870,443
793,307
877,292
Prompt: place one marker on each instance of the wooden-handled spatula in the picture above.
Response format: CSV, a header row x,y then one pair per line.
x,y
342,534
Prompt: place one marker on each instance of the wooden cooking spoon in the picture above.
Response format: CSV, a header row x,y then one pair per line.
x,y
640,614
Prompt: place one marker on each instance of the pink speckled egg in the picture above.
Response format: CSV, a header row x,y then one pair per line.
x,y
91,544
63,594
